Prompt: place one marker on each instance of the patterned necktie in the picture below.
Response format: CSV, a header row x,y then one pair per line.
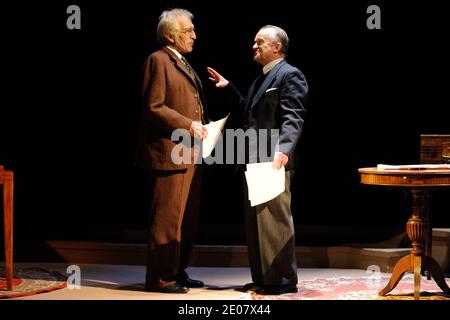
x,y
187,66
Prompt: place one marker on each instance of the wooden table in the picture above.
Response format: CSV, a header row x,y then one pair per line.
x,y
419,183
7,180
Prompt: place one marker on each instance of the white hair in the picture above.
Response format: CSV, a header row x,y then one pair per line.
x,y
168,23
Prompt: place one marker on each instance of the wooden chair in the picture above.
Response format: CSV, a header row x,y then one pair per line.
x,y
431,152
7,180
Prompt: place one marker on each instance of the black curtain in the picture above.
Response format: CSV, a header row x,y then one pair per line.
x,y
70,112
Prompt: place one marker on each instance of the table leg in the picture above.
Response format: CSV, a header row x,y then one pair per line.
x,y
416,228
401,267
428,241
435,270
417,261
8,196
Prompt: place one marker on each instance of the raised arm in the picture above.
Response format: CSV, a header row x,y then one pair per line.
x,y
217,78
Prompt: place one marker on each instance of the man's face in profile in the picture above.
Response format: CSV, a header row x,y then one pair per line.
x,y
263,49
185,36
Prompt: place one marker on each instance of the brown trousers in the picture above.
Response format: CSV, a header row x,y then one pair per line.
x,y
269,230
175,207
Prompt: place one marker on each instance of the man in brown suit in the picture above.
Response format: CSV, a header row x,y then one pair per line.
x,y
173,99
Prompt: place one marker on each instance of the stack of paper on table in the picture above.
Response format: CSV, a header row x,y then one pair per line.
x,y
264,182
414,167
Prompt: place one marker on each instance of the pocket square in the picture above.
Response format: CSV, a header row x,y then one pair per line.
x,y
271,89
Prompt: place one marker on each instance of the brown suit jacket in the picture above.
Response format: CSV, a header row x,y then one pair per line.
x,y
172,100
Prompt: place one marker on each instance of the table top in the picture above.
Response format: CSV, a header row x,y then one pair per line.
x,y
375,170
406,177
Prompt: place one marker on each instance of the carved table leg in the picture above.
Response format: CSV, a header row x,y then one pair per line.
x,y
417,261
417,230
435,271
401,267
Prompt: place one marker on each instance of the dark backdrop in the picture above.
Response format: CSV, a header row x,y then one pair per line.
x,y
70,108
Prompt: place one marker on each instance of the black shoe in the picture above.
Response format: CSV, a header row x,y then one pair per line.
x,y
276,290
184,280
248,287
171,288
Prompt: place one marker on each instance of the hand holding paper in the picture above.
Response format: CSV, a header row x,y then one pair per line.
x,y
198,130
264,182
280,160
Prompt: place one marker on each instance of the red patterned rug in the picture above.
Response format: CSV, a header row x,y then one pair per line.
x,y
31,281
363,288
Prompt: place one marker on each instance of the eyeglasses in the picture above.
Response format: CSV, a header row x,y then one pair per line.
x,y
189,30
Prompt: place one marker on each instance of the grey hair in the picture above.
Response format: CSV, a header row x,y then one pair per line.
x,y
279,35
168,23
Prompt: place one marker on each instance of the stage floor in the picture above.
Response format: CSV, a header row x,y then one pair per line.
x,y
126,282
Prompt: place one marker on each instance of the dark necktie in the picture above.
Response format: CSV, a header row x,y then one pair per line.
x,y
187,66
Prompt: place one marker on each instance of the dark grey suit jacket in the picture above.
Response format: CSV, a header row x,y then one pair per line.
x,y
279,103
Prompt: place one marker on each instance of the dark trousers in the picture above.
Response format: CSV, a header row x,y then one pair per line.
x,y
269,229
175,207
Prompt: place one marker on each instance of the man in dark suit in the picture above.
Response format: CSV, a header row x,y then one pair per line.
x,y
275,100
173,100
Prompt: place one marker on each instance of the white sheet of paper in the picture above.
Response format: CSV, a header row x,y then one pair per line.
x,y
414,167
214,131
264,182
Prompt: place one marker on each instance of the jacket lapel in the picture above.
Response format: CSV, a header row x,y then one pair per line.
x,y
180,66
266,84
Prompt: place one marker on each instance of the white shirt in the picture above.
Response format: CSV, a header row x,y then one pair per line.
x,y
174,51
270,65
